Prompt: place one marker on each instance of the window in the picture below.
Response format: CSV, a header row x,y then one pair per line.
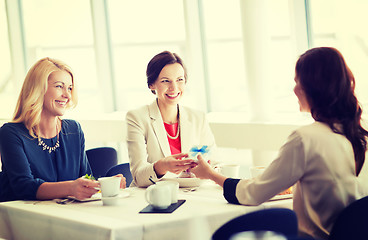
x,y
342,25
283,57
139,30
212,37
6,78
63,30
228,29
225,56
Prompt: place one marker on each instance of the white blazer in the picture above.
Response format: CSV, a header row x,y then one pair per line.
x,y
147,140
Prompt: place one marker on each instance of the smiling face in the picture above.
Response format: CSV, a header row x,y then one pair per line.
x,y
170,84
302,99
58,94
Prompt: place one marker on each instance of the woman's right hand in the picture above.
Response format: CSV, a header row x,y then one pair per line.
x,y
174,164
82,188
204,171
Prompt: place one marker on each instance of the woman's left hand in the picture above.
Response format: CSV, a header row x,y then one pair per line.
x,y
82,188
122,181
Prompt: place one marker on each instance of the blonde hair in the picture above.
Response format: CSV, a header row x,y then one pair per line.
x,y
31,98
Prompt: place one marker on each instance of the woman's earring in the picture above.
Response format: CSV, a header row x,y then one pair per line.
x,y
152,90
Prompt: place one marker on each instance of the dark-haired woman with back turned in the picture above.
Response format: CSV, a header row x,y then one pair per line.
x,y
322,159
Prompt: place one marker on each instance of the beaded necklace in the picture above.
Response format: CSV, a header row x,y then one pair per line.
x,y
45,147
177,133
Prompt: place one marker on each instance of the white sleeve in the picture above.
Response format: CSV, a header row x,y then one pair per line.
x,y
137,149
281,174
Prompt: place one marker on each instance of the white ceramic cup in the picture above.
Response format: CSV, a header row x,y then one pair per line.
x,y
110,186
159,196
174,186
229,170
256,171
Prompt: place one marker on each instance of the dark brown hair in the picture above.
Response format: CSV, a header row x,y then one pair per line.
x,y
329,87
158,62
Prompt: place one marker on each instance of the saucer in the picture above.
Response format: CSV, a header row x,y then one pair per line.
x,y
122,194
112,201
185,182
280,197
98,196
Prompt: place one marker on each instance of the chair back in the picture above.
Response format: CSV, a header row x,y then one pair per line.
x,y
124,169
101,159
352,222
280,220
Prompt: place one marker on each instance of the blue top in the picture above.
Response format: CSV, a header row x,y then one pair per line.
x,y
25,165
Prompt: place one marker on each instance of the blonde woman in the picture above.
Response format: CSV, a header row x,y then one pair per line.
x,y
43,156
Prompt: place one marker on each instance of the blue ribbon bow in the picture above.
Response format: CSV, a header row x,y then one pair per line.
x,y
204,149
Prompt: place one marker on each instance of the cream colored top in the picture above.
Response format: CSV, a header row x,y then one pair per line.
x,y
321,164
147,140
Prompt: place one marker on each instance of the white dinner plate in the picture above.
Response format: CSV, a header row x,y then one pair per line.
x,y
98,196
94,197
280,197
185,182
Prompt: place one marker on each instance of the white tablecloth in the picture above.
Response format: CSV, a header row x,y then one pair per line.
x,y
203,212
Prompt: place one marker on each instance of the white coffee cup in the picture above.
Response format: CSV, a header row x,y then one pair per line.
x,y
110,186
159,196
256,171
174,186
229,170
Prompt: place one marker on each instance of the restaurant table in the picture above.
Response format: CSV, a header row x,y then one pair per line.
x,y
204,210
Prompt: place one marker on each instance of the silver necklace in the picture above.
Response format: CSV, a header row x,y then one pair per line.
x,y
177,133
45,147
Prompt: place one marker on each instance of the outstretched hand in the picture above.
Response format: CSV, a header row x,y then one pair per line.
x,y
174,163
203,169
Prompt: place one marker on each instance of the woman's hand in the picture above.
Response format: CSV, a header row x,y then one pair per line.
x,y
122,181
82,188
174,164
203,169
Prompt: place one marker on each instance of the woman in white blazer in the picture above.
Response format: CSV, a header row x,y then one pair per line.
x,y
322,159
160,134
